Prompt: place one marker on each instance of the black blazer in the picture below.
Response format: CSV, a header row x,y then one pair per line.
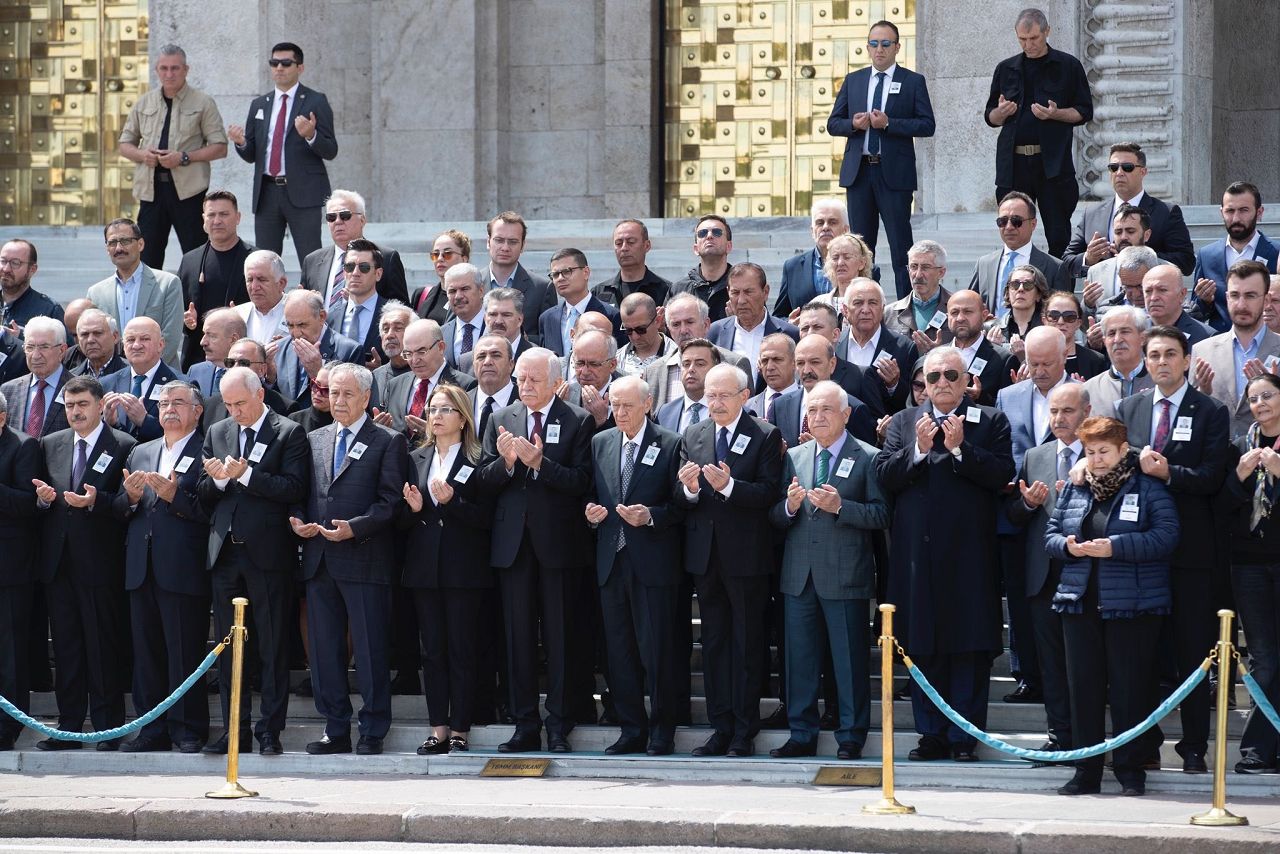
x,y
364,493
258,514
308,184
904,352
92,538
122,381
1170,238
1197,467
395,397
204,262
548,506
215,410
737,527
434,307
447,545
539,296
654,550
549,324
372,338
862,383
788,418
995,373
170,537
19,463
13,361
315,277
15,395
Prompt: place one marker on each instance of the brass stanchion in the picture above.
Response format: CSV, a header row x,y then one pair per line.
x,y
1218,816
239,634
888,804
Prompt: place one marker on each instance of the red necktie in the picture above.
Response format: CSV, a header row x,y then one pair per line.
x,y
1162,427
35,418
419,402
277,138
804,423
537,424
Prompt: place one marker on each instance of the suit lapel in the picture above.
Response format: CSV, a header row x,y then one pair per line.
x,y
1142,419
146,289
612,463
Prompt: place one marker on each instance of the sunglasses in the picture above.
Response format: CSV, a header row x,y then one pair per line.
x,y
316,388
1116,167
1022,284
333,216
916,385
446,254
1015,221
635,330
880,43
950,374
283,63
242,363
1065,316
708,232
351,266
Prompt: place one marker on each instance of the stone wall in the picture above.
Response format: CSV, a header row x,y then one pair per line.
x,y
1246,97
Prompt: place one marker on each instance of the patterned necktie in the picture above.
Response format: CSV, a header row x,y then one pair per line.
x,y
1000,308
80,464
340,453
1064,464
804,423
722,445
824,467
537,424
1162,427
277,138
35,416
628,468
877,101
339,290
468,331
419,403
695,413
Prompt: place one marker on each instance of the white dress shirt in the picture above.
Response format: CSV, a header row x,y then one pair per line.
x,y
863,355
732,427
884,99
746,342
170,454
1174,399
276,103
685,416
1040,410
440,467
263,327
638,440
501,398
1248,253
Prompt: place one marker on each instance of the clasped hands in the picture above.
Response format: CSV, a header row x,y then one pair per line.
x,y
512,447
824,497
635,515
340,531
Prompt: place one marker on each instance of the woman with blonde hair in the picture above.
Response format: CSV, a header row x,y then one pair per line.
x,y
848,258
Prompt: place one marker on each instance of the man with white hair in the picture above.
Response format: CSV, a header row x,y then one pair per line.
x,y
266,282
35,399
802,275
322,270
133,392
1122,331
464,286
98,340
868,342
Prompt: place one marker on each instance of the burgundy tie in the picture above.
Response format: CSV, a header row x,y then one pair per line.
x,y
1162,427
35,418
537,424
277,138
419,403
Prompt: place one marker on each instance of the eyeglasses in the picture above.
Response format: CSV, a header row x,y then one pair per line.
x,y
880,43
171,404
242,363
563,274
922,268
916,385
39,348
316,388
441,410
420,353
344,215
120,241
635,330
1064,316
583,363
1022,284
283,63
11,263
1262,397
351,266
950,374
1116,167
1015,221
708,232
446,254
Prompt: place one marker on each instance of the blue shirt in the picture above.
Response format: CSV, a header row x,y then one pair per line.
x,y
50,392
127,291
1244,354
836,447
821,284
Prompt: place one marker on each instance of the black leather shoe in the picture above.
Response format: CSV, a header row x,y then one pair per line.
x,y
522,742
963,754
368,745
58,744
458,744
148,744
434,747
792,749
1133,789
828,721
1254,765
558,744
929,750
219,747
1024,693
777,719
269,745
6,741
326,746
111,745
716,745
1081,784
660,748
626,745
190,745
741,747
849,750
1193,763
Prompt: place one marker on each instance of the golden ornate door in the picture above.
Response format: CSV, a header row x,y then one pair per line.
x,y
748,89
70,70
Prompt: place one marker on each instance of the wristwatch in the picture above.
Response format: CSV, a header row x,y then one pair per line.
x,y
186,159
955,452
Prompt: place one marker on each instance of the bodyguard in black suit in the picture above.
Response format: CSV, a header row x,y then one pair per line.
x,y
164,573
19,465
1185,440
257,472
537,456
322,270
638,568
729,481
358,469
81,562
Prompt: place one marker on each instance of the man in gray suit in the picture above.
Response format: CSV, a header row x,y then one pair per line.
x,y
1215,369
1017,222
687,317
311,343
35,399
136,290
832,503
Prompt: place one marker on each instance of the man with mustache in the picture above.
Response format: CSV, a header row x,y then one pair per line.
x,y
802,276
1122,330
137,290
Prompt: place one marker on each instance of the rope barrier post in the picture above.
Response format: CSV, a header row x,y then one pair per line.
x,y
239,634
888,804
1218,816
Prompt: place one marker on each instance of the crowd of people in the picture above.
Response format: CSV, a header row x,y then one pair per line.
x,y
499,484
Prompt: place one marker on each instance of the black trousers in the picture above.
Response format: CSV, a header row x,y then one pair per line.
x,y
270,614
638,630
684,651
275,211
1194,623
450,622
38,635
731,607
961,678
1023,658
170,632
155,218
1055,197
871,200
1051,654
15,671
89,632
491,660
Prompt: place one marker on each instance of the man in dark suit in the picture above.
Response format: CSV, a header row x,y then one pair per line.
x,y
1037,97
638,568
223,327
19,466
287,137
1241,210
257,471
729,479
777,366
595,360
697,357
507,232
503,316
324,269
464,285
405,399
802,274
357,471
494,388
815,361
98,352
868,342
393,320
212,274
13,362
1017,222
687,317
571,278
1169,235
831,503
35,399
1185,441
245,353
990,366
630,247
355,313
311,343
82,563
168,587
864,383
537,457
748,320
881,109
132,392
953,454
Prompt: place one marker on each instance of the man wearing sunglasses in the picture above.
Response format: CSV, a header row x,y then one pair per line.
x,y
882,109
1037,97
709,280
355,314
324,270
1016,222
1131,227
1127,165
287,136
645,342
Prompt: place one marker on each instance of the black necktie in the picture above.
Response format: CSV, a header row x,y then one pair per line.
x,y
722,444
485,412
248,442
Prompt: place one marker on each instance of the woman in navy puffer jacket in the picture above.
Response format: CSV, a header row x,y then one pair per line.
x,y
1114,534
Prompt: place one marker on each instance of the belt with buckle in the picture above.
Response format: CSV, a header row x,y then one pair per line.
x,y
871,159
1026,150
278,180
231,538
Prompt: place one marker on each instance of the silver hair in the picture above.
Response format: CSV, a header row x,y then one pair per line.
x,y
311,299
457,271
331,364
704,310
173,50
741,375
510,295
1034,336
364,377
51,325
1131,259
245,377
859,281
112,324
182,385
552,361
945,351
259,255
1140,319
781,338
831,386
829,202
4,404
351,197
929,247
394,306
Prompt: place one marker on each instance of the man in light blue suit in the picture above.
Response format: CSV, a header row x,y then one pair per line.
x,y
1241,210
311,343
832,502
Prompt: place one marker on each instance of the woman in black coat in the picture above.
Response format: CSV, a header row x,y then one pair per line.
x,y
446,564
1063,311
